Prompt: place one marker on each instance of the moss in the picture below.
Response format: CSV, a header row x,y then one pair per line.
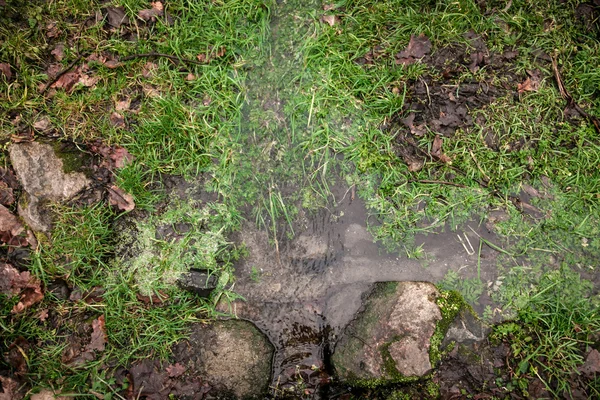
x,y
72,160
451,303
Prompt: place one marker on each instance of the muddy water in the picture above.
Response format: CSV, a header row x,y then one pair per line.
x,y
305,294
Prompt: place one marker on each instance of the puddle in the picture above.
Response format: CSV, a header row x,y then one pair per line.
x,y
305,294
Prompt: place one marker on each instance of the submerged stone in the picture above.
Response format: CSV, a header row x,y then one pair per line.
x,y
233,357
389,340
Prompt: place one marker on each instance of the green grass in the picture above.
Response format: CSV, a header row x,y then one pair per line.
x,y
285,114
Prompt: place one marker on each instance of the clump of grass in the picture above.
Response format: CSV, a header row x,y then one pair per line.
x,y
557,321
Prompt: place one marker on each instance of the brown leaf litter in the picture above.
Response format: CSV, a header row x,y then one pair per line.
x,y
418,47
22,284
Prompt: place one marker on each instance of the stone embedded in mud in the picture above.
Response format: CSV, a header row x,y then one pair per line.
x,y
200,282
232,356
41,172
389,340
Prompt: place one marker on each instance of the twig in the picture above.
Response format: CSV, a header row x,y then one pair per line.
x,y
153,54
570,101
61,73
439,183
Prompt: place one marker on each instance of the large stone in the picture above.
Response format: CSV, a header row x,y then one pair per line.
x,y
389,340
232,356
41,172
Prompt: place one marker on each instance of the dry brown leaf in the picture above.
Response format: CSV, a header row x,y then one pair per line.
x,y
59,52
42,315
201,57
330,19
99,338
121,157
52,30
123,105
112,64
29,297
328,7
67,81
149,69
9,223
176,370
88,81
5,70
43,125
532,83
9,389
150,91
190,77
436,150
418,47
116,16
117,120
151,13
119,198
6,194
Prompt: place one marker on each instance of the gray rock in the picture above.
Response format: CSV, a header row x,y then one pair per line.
x,y
34,214
232,356
390,339
41,172
465,329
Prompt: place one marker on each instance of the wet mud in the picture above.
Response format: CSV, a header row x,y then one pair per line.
x,y
304,295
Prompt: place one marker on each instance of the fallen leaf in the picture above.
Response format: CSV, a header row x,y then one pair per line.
x,y
418,47
9,389
53,70
591,367
190,77
42,315
17,355
117,120
5,70
328,7
112,64
44,394
59,52
121,157
176,370
330,19
154,299
116,16
436,150
148,69
52,30
67,81
28,298
99,338
119,198
532,83
10,226
88,81
201,57
151,13
43,125
123,105
6,194
150,91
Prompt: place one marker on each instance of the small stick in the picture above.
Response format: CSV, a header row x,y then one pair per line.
x,y
570,101
61,73
440,183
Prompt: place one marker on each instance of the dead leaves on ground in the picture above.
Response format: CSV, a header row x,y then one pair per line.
x,y
532,83
119,198
22,284
418,47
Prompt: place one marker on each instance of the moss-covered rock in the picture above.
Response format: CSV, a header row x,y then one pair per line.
x,y
389,340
